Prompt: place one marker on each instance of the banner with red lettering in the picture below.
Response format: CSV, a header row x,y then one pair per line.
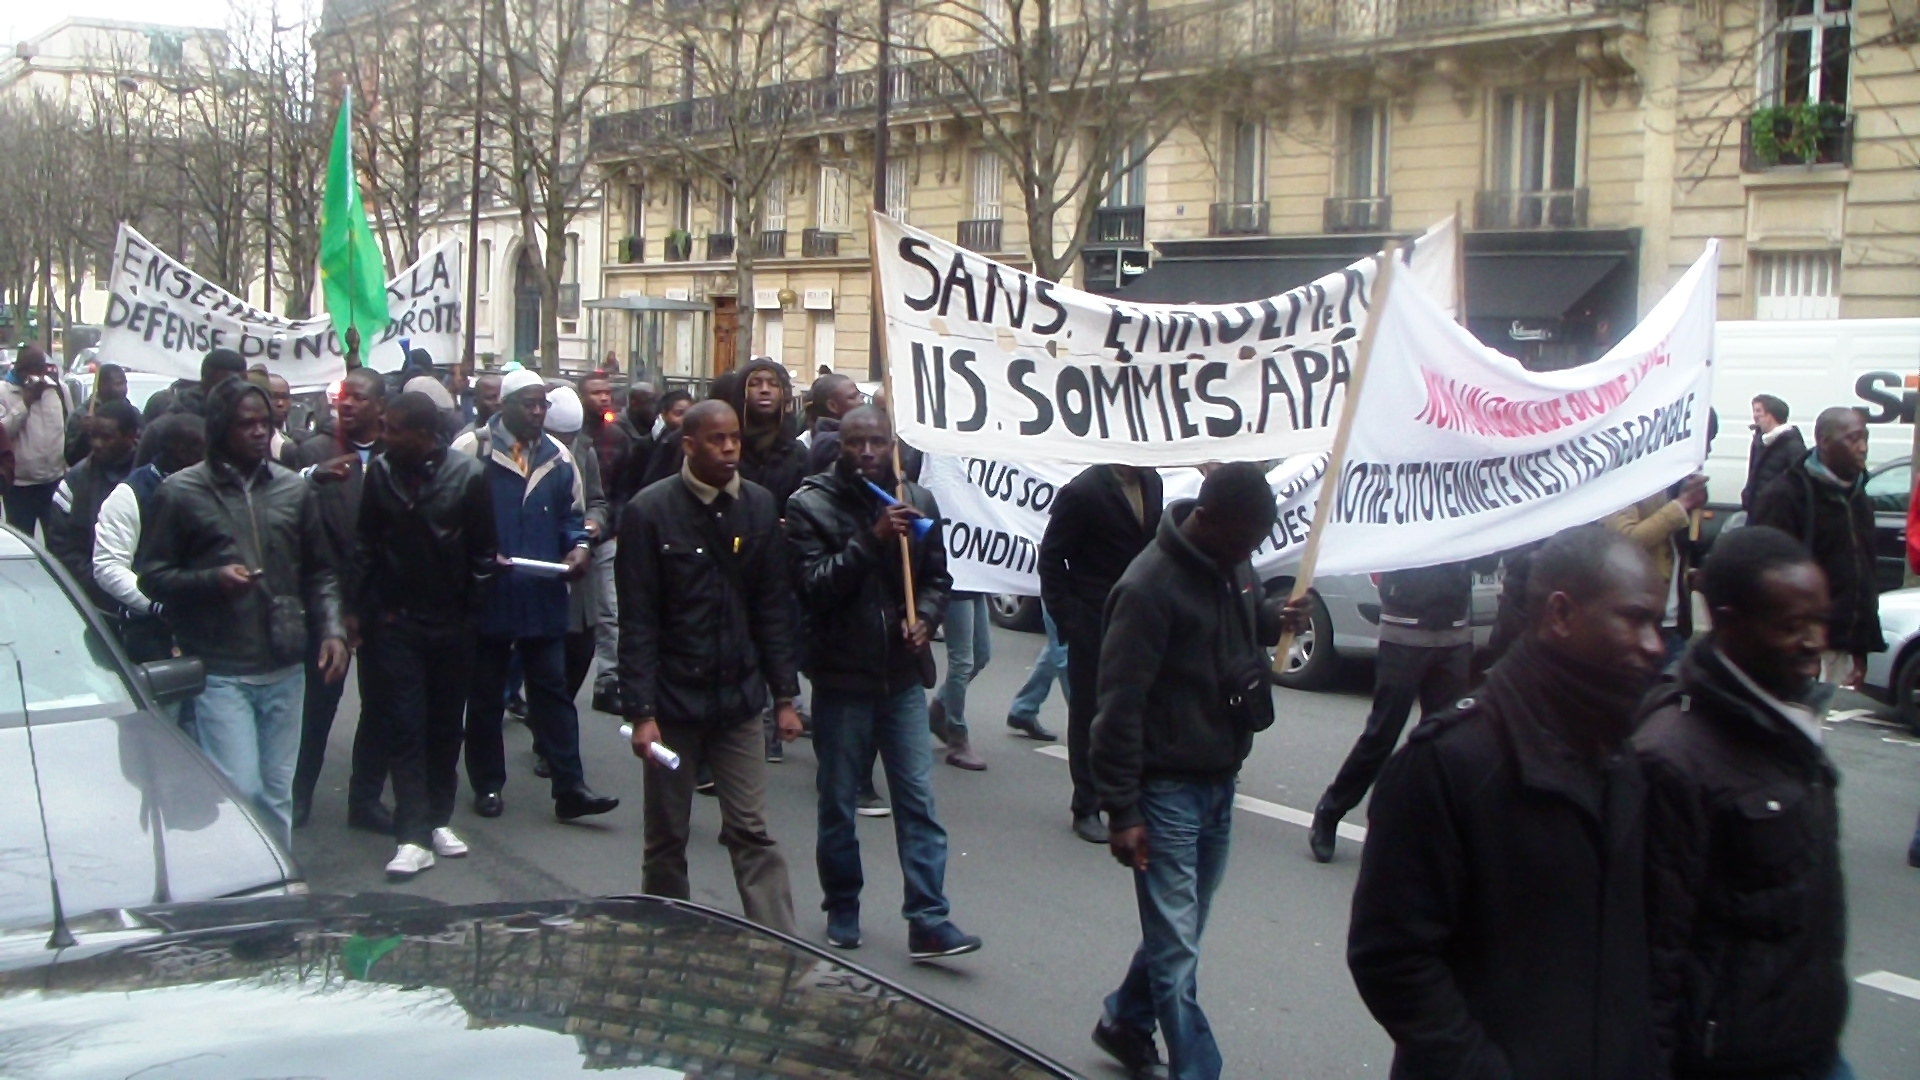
x,y
1458,451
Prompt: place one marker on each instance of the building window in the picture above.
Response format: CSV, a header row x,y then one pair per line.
x,y
1363,154
483,272
830,44
835,212
1796,284
683,206
897,188
1246,164
636,210
1536,140
1129,175
773,205
570,272
723,213
1811,44
687,60
989,178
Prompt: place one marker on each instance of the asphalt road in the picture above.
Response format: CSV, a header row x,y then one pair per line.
x,y
1057,913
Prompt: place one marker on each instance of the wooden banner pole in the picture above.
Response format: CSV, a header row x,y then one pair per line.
x,y
1336,460
1459,263
879,323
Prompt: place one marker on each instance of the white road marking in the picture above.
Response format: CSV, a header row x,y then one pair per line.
x,y
1302,818
1892,984
1900,740
1860,716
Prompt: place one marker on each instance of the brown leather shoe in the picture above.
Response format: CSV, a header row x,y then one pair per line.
x,y
960,755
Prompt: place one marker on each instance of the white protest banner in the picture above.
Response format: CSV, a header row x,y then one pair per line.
x,y
996,514
163,318
981,355
1458,451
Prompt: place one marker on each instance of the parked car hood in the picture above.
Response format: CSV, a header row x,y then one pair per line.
x,y
135,816
660,988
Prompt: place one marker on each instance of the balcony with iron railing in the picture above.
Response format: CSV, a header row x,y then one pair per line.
x,y
1119,225
980,234
1359,214
1562,209
815,244
678,246
719,246
1185,37
770,244
1237,219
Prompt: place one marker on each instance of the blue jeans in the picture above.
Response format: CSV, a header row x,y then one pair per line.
x,y
846,729
969,647
1188,827
252,732
1050,665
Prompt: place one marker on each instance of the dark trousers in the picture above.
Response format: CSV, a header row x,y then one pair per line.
x,y
550,712
1083,701
414,681
28,505
579,660
322,704
1402,675
737,758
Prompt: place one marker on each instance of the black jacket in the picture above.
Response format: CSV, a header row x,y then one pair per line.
x,y
424,544
339,505
705,612
1499,927
850,586
1767,463
1177,629
209,516
70,522
1747,905
826,445
1091,539
1837,527
1430,605
625,453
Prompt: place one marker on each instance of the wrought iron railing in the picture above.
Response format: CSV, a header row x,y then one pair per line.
x,y
815,244
1119,225
980,234
770,244
1565,208
719,246
1237,219
1370,213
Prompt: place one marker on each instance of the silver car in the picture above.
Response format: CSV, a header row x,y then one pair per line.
x,y
1894,676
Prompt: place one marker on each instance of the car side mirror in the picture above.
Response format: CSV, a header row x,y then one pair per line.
x,y
175,678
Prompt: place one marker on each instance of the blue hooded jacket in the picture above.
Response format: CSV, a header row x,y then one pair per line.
x,y
539,513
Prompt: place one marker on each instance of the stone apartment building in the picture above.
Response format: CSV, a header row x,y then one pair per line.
x,y
1592,146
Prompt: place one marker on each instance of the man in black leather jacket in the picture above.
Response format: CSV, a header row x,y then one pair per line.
x,y
424,549
868,663
1746,900
237,554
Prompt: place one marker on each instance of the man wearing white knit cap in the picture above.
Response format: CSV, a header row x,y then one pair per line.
x,y
539,509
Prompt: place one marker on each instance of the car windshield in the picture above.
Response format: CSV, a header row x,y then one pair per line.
x,y
68,671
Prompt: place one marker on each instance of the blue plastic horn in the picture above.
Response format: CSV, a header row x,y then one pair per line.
x,y
921,525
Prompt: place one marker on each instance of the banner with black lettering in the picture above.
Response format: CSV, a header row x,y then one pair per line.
x,y
163,318
983,356
1458,451
996,514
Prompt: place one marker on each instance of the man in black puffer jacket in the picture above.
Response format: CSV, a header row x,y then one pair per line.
x,y
1746,901
237,554
1426,653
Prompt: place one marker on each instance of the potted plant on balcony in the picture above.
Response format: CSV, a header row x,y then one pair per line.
x,y
1795,134
679,245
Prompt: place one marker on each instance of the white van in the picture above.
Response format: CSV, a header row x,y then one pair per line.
x,y
1870,364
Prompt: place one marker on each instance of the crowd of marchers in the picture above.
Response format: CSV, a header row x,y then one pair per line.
x,y
1614,853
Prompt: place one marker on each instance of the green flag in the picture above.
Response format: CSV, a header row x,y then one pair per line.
x,y
353,276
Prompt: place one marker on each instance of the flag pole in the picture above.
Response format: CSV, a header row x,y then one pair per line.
x,y
1336,460
877,305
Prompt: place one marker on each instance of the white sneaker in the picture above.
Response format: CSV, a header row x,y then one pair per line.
x,y
447,844
408,861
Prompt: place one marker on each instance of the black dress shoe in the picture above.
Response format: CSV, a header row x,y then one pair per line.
x,y
542,768
606,697
373,818
1320,837
1134,1050
582,802
1031,729
489,805
1089,827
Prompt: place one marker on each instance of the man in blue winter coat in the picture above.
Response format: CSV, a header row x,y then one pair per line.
x,y
539,514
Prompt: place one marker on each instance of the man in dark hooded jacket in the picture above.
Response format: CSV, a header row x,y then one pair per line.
x,y
113,429
1499,923
237,554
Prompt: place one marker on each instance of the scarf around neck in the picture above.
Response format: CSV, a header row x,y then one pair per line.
x,y
1588,707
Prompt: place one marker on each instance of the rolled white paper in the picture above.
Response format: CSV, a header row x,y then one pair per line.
x,y
658,751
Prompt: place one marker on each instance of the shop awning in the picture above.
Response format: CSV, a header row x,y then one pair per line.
x,y
1228,280
1532,286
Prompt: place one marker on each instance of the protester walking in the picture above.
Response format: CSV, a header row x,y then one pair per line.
x,y
1499,922
539,511
1100,521
615,440
1183,688
337,466
237,553
1776,446
706,646
969,634
566,417
1743,829
189,397
1821,500
1426,656
181,442
109,384
1024,715
33,409
870,669
1659,523
113,432
424,552
831,398
486,401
